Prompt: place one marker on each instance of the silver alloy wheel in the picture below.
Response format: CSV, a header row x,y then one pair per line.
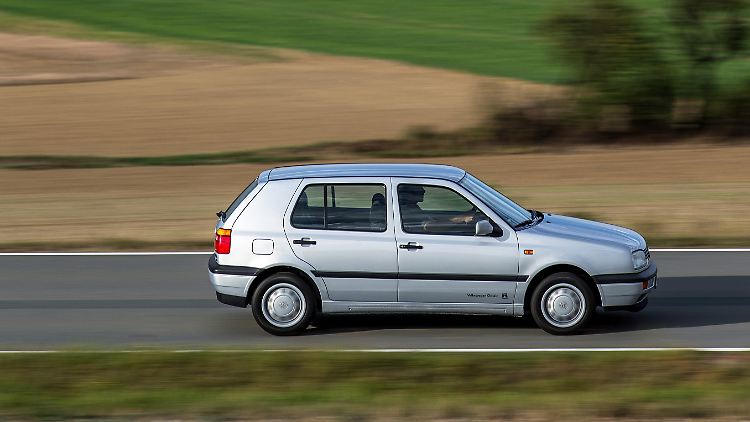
x,y
283,305
563,305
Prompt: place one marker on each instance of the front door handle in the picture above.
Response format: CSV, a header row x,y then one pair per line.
x,y
305,241
410,245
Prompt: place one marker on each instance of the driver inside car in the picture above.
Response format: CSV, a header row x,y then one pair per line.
x,y
415,217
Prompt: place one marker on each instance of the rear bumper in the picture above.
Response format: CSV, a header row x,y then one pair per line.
x,y
618,290
230,283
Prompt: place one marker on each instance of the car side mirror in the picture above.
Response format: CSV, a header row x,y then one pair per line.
x,y
483,228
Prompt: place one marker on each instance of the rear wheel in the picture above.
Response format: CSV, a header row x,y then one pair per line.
x,y
562,303
283,304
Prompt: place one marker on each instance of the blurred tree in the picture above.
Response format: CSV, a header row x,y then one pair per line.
x,y
626,82
732,111
710,31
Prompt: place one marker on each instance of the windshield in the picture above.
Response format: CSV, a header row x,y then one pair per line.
x,y
508,210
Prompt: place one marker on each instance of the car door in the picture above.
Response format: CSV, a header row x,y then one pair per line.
x,y
343,227
440,259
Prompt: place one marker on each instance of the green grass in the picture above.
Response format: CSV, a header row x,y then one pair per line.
x,y
48,162
496,38
446,146
346,385
500,38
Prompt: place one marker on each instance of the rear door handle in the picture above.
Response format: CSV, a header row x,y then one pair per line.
x,y
305,241
410,245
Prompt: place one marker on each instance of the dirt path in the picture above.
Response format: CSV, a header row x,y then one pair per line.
x,y
149,101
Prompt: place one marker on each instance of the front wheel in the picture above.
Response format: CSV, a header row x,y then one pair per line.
x,y
562,303
283,304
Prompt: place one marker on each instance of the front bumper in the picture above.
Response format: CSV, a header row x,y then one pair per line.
x,y
618,290
230,283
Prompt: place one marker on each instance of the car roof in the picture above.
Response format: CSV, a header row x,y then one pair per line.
x,y
433,171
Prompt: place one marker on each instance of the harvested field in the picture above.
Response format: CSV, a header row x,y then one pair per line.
x,y
143,100
124,100
45,60
673,194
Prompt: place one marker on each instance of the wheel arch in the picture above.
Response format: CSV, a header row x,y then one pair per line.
x,y
267,272
558,268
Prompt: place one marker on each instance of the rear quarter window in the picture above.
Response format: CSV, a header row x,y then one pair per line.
x,y
237,201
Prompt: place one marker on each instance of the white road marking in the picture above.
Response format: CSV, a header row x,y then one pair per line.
x,y
209,253
701,250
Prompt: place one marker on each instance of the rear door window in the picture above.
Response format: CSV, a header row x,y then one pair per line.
x,y
341,206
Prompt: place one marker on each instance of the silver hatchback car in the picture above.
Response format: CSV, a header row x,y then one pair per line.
x,y
304,241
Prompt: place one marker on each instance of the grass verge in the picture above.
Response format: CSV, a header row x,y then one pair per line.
x,y
409,148
49,162
367,386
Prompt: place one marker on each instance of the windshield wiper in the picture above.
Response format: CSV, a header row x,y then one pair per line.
x,y
536,217
523,223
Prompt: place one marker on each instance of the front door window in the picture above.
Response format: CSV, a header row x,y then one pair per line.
x,y
437,210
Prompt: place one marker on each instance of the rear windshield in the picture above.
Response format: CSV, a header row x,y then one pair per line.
x,y
236,203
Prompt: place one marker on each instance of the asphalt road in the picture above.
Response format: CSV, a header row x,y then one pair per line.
x,y
60,302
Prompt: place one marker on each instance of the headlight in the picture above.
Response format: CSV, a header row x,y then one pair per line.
x,y
640,260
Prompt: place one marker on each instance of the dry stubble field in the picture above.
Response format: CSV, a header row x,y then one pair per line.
x,y
668,193
63,96
142,100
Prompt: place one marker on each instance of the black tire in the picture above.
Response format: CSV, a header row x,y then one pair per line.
x,y
560,284
287,287
323,321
